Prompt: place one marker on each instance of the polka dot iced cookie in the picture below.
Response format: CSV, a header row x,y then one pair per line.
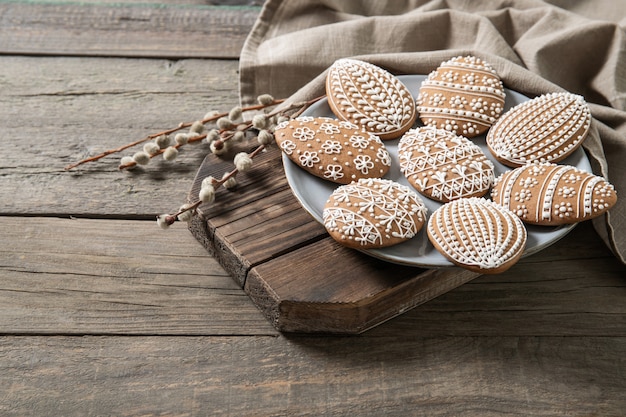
x,y
463,95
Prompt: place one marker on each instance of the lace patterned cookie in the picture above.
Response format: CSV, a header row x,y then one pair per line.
x,y
477,234
551,195
371,97
463,95
444,166
373,213
545,129
331,149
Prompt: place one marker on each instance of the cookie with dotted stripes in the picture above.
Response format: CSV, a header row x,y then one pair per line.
x,y
551,195
332,149
444,166
463,95
477,234
547,128
371,97
373,213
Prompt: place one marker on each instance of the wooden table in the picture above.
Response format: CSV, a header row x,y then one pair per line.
x,y
103,313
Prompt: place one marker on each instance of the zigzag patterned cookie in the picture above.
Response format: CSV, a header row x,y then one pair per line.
x,y
373,213
444,166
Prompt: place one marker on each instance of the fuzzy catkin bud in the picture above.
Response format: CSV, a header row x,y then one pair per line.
x,y
259,121
211,114
197,127
151,148
219,147
170,153
265,99
165,220
265,137
212,136
242,161
281,119
230,182
207,194
224,123
141,157
239,136
163,141
128,160
235,113
186,214
181,138
208,181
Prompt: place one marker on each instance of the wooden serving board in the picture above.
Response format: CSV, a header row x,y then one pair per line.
x,y
300,278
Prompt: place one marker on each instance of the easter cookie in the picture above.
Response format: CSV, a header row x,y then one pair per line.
x,y
373,213
477,234
545,129
331,149
464,95
549,194
444,166
371,97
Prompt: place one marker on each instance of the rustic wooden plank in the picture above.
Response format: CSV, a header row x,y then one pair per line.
x,y
84,276
312,376
324,287
257,221
55,111
117,29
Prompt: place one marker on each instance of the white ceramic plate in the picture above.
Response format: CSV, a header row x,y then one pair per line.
x,y
312,192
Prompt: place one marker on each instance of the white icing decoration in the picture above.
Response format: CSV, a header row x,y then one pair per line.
x,y
323,145
547,128
377,210
563,192
476,102
477,232
438,154
370,96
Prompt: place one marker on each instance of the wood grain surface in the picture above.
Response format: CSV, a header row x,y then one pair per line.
x,y
147,29
102,313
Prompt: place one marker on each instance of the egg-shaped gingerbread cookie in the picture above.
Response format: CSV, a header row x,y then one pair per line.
x,y
547,128
371,97
443,165
373,213
477,234
463,95
551,195
332,149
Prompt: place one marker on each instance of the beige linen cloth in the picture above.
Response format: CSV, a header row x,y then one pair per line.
x,y
535,46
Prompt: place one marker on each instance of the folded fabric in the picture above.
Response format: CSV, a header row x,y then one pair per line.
x,y
535,46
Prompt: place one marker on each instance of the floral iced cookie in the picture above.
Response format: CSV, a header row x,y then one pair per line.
x,y
463,95
477,234
332,149
373,213
551,195
371,97
444,166
545,129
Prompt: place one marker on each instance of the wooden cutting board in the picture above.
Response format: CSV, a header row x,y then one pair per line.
x,y
300,278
